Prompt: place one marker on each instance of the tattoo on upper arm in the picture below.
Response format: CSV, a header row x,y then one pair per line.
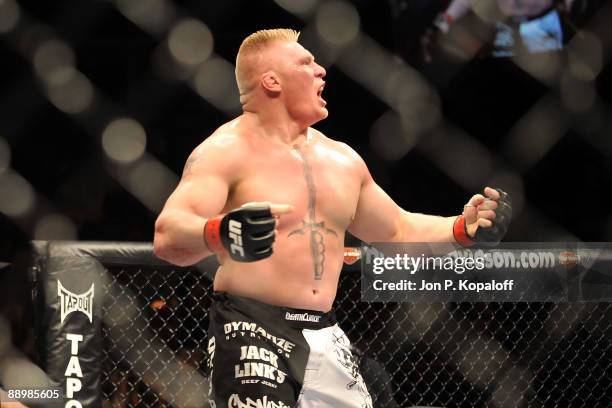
x,y
317,240
193,159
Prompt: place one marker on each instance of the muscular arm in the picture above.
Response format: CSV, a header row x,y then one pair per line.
x,y
379,219
201,194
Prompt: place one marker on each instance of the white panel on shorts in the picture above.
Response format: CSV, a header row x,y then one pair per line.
x,y
332,377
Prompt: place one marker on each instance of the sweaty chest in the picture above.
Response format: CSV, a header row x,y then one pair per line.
x,y
319,182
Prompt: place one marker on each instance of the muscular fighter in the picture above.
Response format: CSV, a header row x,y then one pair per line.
x,y
272,198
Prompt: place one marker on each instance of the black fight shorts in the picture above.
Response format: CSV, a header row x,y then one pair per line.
x,y
276,357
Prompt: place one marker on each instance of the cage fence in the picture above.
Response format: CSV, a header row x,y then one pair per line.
x,y
411,354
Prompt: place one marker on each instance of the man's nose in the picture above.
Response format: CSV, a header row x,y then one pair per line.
x,y
320,71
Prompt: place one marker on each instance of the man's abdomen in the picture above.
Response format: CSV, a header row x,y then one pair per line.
x,y
302,273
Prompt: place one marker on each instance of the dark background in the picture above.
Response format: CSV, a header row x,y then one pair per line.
x,y
564,195
482,136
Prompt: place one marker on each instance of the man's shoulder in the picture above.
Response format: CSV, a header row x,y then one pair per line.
x,y
225,139
222,151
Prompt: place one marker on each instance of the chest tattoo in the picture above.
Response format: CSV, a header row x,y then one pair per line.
x,y
316,229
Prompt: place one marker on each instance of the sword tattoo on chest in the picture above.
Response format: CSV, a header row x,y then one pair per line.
x,y
317,230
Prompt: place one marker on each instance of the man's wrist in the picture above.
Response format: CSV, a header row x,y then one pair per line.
x,y
460,232
212,234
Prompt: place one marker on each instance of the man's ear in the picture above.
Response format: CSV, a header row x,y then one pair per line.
x,y
270,82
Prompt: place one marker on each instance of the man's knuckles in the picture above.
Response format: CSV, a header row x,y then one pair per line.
x,y
488,205
476,200
487,214
484,223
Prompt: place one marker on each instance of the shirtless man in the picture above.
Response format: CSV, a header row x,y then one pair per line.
x,y
272,198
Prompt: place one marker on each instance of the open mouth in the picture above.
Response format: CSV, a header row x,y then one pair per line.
x,y
320,90
319,95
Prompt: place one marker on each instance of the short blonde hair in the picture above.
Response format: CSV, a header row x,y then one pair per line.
x,y
255,42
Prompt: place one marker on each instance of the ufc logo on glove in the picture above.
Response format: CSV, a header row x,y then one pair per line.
x,y
235,234
246,234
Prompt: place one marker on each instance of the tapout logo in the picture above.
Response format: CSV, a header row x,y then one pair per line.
x,y
73,373
72,302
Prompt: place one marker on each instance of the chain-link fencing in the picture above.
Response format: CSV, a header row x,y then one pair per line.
x,y
418,354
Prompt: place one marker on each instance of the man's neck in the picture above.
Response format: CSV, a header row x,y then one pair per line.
x,y
276,123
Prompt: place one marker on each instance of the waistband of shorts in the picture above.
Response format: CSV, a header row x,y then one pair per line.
x,y
300,318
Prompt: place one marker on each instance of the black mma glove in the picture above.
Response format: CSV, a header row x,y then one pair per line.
x,y
246,233
486,236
